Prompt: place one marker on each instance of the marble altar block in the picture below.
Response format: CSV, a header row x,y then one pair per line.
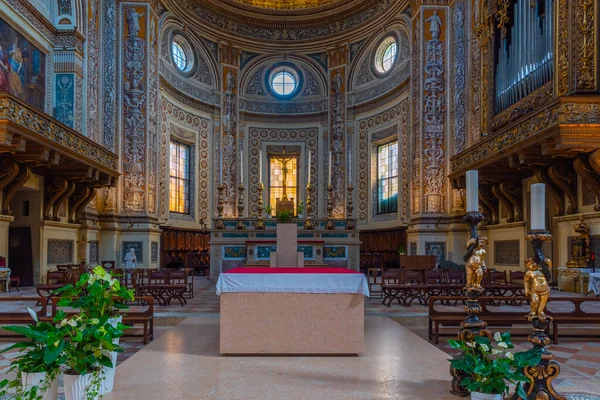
x,y
292,312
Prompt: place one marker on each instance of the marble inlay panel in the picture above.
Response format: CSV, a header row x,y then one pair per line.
x,y
60,251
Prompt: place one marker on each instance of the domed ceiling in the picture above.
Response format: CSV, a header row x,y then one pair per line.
x,y
286,4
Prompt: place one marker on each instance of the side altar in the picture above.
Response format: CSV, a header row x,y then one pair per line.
x,y
232,247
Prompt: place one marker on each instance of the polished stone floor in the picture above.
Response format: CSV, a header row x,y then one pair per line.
x,y
579,358
184,363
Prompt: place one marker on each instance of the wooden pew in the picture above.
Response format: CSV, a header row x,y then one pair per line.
x,y
145,317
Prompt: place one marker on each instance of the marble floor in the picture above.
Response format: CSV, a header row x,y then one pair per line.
x,y
184,363
579,358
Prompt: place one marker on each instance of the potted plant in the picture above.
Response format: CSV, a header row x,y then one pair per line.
x,y
402,250
284,217
100,295
269,211
86,361
488,370
300,209
38,366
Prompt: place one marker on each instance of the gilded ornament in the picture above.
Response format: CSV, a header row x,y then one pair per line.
x,y
475,259
536,286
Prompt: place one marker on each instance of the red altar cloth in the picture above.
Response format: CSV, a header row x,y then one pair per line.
x,y
279,270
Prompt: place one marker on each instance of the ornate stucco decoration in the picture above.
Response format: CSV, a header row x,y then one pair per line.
x,y
434,107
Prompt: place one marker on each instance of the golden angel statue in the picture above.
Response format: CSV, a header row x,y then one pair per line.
x,y
536,286
475,262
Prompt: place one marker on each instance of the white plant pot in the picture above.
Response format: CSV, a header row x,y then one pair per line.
x,y
77,386
29,380
109,373
485,396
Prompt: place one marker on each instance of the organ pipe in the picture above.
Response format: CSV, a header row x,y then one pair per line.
x,y
524,58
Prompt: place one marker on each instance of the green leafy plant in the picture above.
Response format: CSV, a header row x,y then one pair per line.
x,y
401,250
490,370
285,217
300,208
43,353
97,294
91,340
268,210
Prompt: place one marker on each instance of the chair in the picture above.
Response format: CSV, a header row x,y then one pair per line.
x,y
119,274
157,276
433,277
374,273
191,273
15,281
496,277
180,277
108,264
56,277
5,279
455,277
63,267
516,276
73,275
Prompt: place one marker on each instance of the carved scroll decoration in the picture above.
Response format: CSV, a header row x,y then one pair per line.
x,y
79,195
558,195
513,192
10,190
562,175
8,171
77,208
582,166
489,202
54,191
505,202
61,200
562,65
585,44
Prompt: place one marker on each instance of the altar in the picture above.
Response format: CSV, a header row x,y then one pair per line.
x,y
292,311
231,248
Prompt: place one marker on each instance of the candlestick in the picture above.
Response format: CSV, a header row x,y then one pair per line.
x,y
330,224
241,167
350,209
259,222
240,223
538,207
260,166
472,191
330,168
220,224
308,224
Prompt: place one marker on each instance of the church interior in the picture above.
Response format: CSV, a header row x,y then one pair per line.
x,y
305,199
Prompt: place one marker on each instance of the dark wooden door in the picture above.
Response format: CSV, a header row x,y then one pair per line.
x,y
20,254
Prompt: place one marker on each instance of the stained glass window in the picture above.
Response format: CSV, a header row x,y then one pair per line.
x,y
276,178
387,178
179,188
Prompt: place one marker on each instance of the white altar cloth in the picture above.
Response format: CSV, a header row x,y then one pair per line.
x,y
292,283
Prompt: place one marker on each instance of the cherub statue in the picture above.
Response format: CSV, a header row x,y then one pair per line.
x,y
536,286
475,262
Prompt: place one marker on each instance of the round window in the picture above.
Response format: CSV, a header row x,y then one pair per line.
x,y
386,55
283,80
181,54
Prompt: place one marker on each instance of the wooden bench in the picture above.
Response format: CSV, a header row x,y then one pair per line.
x,y
163,293
144,317
21,317
504,318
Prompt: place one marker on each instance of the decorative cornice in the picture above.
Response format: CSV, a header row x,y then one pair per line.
x,y
183,98
23,119
564,112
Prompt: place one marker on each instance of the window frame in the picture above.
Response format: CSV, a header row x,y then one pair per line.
x,y
391,207
271,187
185,45
284,67
187,195
379,52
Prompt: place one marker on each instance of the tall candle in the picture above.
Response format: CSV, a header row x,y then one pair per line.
x,y
330,167
472,191
538,206
308,172
260,166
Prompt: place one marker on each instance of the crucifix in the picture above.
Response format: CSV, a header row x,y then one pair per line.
x,y
284,204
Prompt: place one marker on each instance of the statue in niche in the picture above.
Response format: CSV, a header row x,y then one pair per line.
x,y
475,263
133,21
435,25
130,259
336,84
536,286
229,82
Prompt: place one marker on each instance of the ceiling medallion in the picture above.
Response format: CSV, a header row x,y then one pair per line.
x,y
286,4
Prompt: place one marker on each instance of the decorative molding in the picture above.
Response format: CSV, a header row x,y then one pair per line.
x,y
532,102
585,44
109,74
183,85
459,70
321,59
279,107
